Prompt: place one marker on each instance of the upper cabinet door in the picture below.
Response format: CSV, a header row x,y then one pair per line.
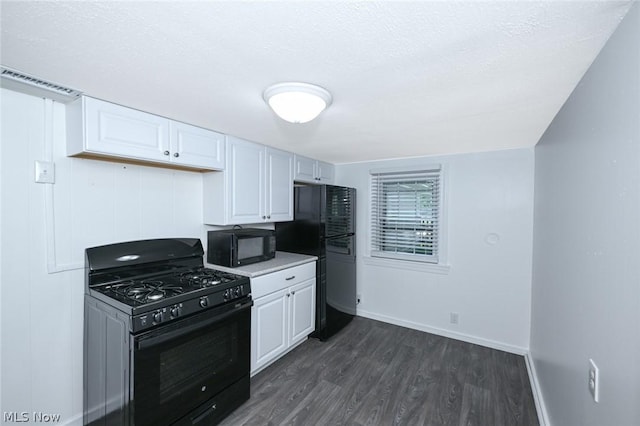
x,y
279,185
304,169
124,132
196,147
312,171
246,181
325,172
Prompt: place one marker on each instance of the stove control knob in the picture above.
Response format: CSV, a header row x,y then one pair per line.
x,y
204,302
237,291
227,294
157,317
175,311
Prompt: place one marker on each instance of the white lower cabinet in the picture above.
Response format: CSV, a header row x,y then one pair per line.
x,y
302,310
283,313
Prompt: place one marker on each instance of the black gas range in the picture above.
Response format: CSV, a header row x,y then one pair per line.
x,y
158,293
179,331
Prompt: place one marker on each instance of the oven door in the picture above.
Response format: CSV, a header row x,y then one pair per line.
x,y
179,367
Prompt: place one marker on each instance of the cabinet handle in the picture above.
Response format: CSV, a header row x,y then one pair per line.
x,y
176,155
290,278
264,217
269,217
293,292
288,295
166,153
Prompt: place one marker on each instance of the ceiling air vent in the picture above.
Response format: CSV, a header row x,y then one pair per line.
x,y
25,83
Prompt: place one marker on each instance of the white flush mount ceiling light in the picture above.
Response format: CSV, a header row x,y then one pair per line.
x,y
297,102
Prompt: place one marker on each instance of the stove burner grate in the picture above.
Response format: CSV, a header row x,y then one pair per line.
x,y
146,290
202,278
160,288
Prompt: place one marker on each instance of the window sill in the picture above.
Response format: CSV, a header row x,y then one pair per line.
x,y
432,268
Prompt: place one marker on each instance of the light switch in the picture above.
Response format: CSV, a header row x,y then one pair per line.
x,y
45,172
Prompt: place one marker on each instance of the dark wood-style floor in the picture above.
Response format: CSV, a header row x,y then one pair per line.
x,y
373,373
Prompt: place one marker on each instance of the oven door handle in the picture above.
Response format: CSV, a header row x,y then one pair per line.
x,y
147,342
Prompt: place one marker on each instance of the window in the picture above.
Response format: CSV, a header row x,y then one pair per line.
x,y
405,214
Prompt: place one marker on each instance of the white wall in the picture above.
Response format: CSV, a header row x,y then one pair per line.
x,y
586,275
488,285
45,229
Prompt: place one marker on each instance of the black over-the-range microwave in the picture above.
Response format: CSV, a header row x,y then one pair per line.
x,y
238,247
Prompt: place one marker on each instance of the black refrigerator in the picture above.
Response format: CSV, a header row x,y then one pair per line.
x,y
324,226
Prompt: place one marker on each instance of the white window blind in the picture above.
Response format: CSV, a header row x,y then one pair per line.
x,y
405,210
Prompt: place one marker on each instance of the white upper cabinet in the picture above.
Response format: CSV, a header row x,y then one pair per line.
x,y
325,172
246,182
305,169
103,129
256,186
195,146
312,171
278,185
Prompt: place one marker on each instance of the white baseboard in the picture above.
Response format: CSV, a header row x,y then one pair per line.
x,y
446,333
543,417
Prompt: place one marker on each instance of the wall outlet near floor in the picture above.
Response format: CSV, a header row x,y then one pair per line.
x,y
594,380
453,317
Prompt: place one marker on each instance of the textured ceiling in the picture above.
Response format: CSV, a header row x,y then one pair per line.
x,y
407,78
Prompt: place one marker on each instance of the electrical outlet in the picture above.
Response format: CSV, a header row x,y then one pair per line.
x,y
594,379
358,298
453,317
45,172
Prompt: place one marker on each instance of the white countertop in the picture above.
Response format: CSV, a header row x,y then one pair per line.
x,y
283,260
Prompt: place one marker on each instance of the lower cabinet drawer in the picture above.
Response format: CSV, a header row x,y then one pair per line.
x,y
269,283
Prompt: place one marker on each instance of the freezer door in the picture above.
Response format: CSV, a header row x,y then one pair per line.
x,y
342,245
